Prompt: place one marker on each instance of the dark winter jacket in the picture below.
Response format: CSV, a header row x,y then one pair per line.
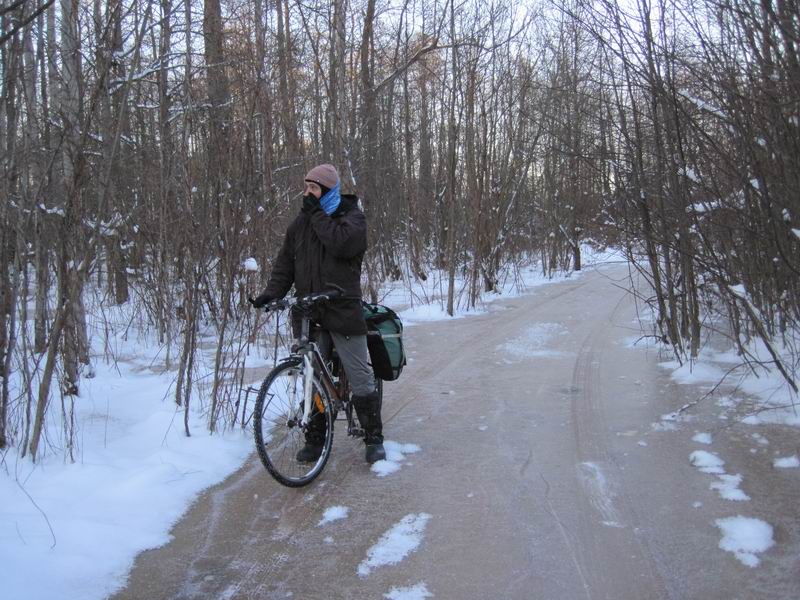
x,y
320,249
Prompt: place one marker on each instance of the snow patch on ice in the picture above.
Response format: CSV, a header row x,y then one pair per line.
x,y
397,543
334,513
702,438
663,426
707,462
415,592
677,416
745,537
532,342
728,487
786,462
395,455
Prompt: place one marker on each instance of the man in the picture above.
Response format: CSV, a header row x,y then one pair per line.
x,y
325,244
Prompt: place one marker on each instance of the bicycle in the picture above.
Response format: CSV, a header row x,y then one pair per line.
x,y
302,387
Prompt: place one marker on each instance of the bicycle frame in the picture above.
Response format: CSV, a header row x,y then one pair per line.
x,y
313,362
309,353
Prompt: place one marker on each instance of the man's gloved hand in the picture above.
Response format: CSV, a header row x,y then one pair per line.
x,y
310,203
260,300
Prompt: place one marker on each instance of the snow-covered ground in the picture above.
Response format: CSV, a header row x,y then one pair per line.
x,y
72,530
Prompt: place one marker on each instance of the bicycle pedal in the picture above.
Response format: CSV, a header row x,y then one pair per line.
x,y
356,432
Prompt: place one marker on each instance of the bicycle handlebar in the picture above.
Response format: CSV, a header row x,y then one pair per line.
x,y
303,301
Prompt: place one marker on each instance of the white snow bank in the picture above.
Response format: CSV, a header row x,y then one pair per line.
x,y
73,530
395,455
776,402
397,543
334,513
415,592
786,462
425,313
425,301
745,537
693,373
250,265
780,415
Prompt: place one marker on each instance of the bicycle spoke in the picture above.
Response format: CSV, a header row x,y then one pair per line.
x,y
279,433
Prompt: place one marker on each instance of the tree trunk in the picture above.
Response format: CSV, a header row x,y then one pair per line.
x,y
452,163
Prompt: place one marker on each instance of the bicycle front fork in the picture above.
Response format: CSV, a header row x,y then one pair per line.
x,y
308,388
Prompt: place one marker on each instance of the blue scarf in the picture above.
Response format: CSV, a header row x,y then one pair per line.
x,y
330,201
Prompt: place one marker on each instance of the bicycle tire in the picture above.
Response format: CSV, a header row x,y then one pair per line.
x,y
276,415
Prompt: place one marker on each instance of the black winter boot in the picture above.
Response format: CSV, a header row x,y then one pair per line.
x,y
368,409
315,440
375,452
309,453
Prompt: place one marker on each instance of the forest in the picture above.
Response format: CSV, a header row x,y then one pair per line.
x,y
150,149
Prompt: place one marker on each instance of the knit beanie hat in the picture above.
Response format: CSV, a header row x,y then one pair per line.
x,y
325,175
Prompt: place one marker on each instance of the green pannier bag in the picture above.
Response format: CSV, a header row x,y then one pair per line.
x,y
385,341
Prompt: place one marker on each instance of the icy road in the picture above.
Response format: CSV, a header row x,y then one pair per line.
x,y
528,459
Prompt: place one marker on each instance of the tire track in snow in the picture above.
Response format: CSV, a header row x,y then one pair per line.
x,y
600,495
595,474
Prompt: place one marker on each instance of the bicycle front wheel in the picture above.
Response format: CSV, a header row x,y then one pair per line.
x,y
278,428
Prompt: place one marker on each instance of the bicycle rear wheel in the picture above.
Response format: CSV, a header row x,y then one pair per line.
x,y
277,425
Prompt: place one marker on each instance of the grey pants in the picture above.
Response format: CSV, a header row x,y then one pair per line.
x,y
352,350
